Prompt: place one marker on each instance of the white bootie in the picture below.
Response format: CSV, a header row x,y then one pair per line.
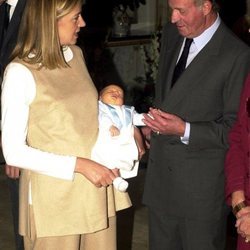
x,y
120,184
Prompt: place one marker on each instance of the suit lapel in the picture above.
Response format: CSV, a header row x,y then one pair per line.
x,y
189,78
171,42
170,62
14,22
2,17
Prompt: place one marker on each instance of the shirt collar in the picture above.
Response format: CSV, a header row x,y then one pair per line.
x,y
12,3
201,40
67,52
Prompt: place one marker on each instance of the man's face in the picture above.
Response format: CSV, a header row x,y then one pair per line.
x,y
188,18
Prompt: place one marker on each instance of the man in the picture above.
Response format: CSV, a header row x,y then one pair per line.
x,y
7,43
184,188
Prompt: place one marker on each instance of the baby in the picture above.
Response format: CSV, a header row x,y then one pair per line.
x,y
119,142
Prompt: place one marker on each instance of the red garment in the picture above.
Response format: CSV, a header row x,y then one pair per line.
x,y
241,244
237,166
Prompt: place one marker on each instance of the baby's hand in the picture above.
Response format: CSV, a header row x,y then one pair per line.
x,y
114,131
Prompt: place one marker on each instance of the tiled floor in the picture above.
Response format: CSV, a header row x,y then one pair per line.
x,y
132,223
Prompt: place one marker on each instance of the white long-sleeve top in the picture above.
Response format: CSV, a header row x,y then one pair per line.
x,y
18,92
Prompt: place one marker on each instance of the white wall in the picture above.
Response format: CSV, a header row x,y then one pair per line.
x,y
146,17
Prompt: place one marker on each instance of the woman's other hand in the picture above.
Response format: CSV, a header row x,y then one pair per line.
x,y
12,172
96,173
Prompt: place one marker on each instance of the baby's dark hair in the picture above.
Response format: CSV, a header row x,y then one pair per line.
x,y
109,84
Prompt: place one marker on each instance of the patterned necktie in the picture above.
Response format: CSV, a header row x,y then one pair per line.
x,y
181,65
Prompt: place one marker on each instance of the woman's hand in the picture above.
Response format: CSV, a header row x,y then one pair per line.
x,y
243,224
237,198
243,211
96,173
12,172
146,131
139,142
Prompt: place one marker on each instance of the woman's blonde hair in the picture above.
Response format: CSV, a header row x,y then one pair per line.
x,y
38,33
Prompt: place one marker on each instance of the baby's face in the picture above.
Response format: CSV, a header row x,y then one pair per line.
x,y
113,95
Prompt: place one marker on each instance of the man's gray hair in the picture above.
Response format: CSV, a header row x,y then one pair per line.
x,y
214,3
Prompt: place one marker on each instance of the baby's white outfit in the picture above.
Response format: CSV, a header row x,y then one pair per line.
x,y
118,151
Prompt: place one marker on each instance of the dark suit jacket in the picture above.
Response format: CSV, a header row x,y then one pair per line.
x,y
10,38
188,180
237,161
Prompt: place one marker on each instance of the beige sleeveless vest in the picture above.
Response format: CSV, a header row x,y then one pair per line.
x,y
63,120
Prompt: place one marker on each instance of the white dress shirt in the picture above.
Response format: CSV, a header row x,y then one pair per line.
x,y
12,4
198,44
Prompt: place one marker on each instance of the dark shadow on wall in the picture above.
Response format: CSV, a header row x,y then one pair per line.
x,y
99,60
233,13
98,17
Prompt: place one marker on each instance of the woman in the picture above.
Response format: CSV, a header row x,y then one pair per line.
x,y
49,126
237,169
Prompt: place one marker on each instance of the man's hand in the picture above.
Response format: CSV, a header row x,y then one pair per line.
x,y
164,123
12,172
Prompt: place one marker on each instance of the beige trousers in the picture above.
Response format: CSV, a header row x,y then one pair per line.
x,y
101,240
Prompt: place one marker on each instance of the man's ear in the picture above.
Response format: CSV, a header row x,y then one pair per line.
x,y
207,7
